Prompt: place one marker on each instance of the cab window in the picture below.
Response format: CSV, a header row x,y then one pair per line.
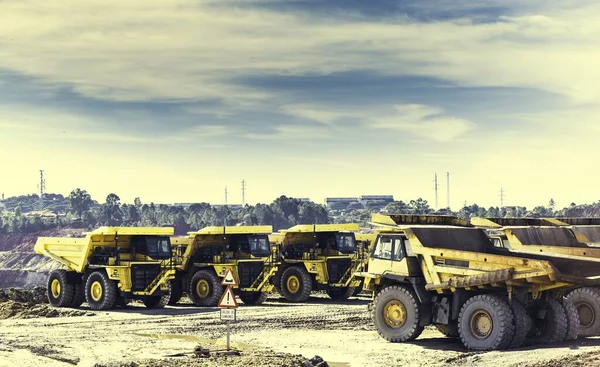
x,y
383,250
398,249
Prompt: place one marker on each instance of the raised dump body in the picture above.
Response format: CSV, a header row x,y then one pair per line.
x,y
110,266
318,257
206,256
453,277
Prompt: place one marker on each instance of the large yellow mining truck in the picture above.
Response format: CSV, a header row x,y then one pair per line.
x,y
317,257
561,242
453,277
109,267
206,255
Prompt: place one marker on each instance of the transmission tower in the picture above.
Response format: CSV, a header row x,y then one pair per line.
x,y
225,195
435,187
502,196
448,189
42,188
243,192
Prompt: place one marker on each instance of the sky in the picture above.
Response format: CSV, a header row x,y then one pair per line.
x,y
172,101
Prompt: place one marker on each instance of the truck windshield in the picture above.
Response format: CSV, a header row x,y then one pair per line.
x,y
158,247
346,242
259,246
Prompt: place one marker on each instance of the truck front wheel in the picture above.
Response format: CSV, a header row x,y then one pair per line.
x,y
396,314
205,288
486,322
100,292
60,292
587,303
296,284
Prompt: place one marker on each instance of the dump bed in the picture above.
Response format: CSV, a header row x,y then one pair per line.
x,y
454,257
304,237
75,252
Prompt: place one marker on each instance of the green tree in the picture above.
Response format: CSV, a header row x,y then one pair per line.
x,y
112,210
18,211
79,202
397,207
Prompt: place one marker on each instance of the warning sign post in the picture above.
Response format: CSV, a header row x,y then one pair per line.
x,y
228,304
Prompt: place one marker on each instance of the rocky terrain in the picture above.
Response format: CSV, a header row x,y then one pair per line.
x,y
20,266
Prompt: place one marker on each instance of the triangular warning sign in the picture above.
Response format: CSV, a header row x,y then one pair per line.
x,y
228,299
229,278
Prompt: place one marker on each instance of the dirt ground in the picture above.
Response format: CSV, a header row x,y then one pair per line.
x,y
275,334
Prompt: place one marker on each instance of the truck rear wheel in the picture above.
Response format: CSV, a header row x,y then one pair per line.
x,y
572,319
522,324
340,293
485,322
205,288
253,298
78,295
296,284
450,330
176,292
100,292
554,327
396,314
587,303
60,292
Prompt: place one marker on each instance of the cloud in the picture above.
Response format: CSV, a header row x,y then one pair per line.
x,y
419,120
423,121
189,50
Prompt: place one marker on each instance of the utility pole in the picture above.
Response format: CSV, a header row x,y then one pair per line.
x,y
42,187
435,187
448,189
243,192
225,195
502,196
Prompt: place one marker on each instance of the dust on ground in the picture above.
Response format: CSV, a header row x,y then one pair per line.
x,y
275,334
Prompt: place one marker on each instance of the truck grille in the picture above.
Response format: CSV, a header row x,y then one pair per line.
x,y
143,275
249,272
336,268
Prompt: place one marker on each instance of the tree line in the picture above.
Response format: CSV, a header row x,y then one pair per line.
x,y
80,210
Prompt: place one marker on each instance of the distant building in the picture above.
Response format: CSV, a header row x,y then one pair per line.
x,y
339,203
375,201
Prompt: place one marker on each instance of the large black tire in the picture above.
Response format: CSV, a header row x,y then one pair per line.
x,y
253,298
100,292
396,313
296,284
205,288
78,295
340,293
554,326
450,330
486,322
522,324
176,292
587,303
60,292
572,319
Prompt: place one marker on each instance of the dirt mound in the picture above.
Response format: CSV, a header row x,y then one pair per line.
x,y
18,303
31,296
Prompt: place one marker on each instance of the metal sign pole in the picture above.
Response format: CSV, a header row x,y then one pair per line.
x,y
228,336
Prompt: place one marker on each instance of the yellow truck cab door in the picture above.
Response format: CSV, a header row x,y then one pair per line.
x,y
389,255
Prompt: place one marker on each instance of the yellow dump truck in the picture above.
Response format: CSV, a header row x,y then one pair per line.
x,y
562,243
109,267
205,256
453,277
317,257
